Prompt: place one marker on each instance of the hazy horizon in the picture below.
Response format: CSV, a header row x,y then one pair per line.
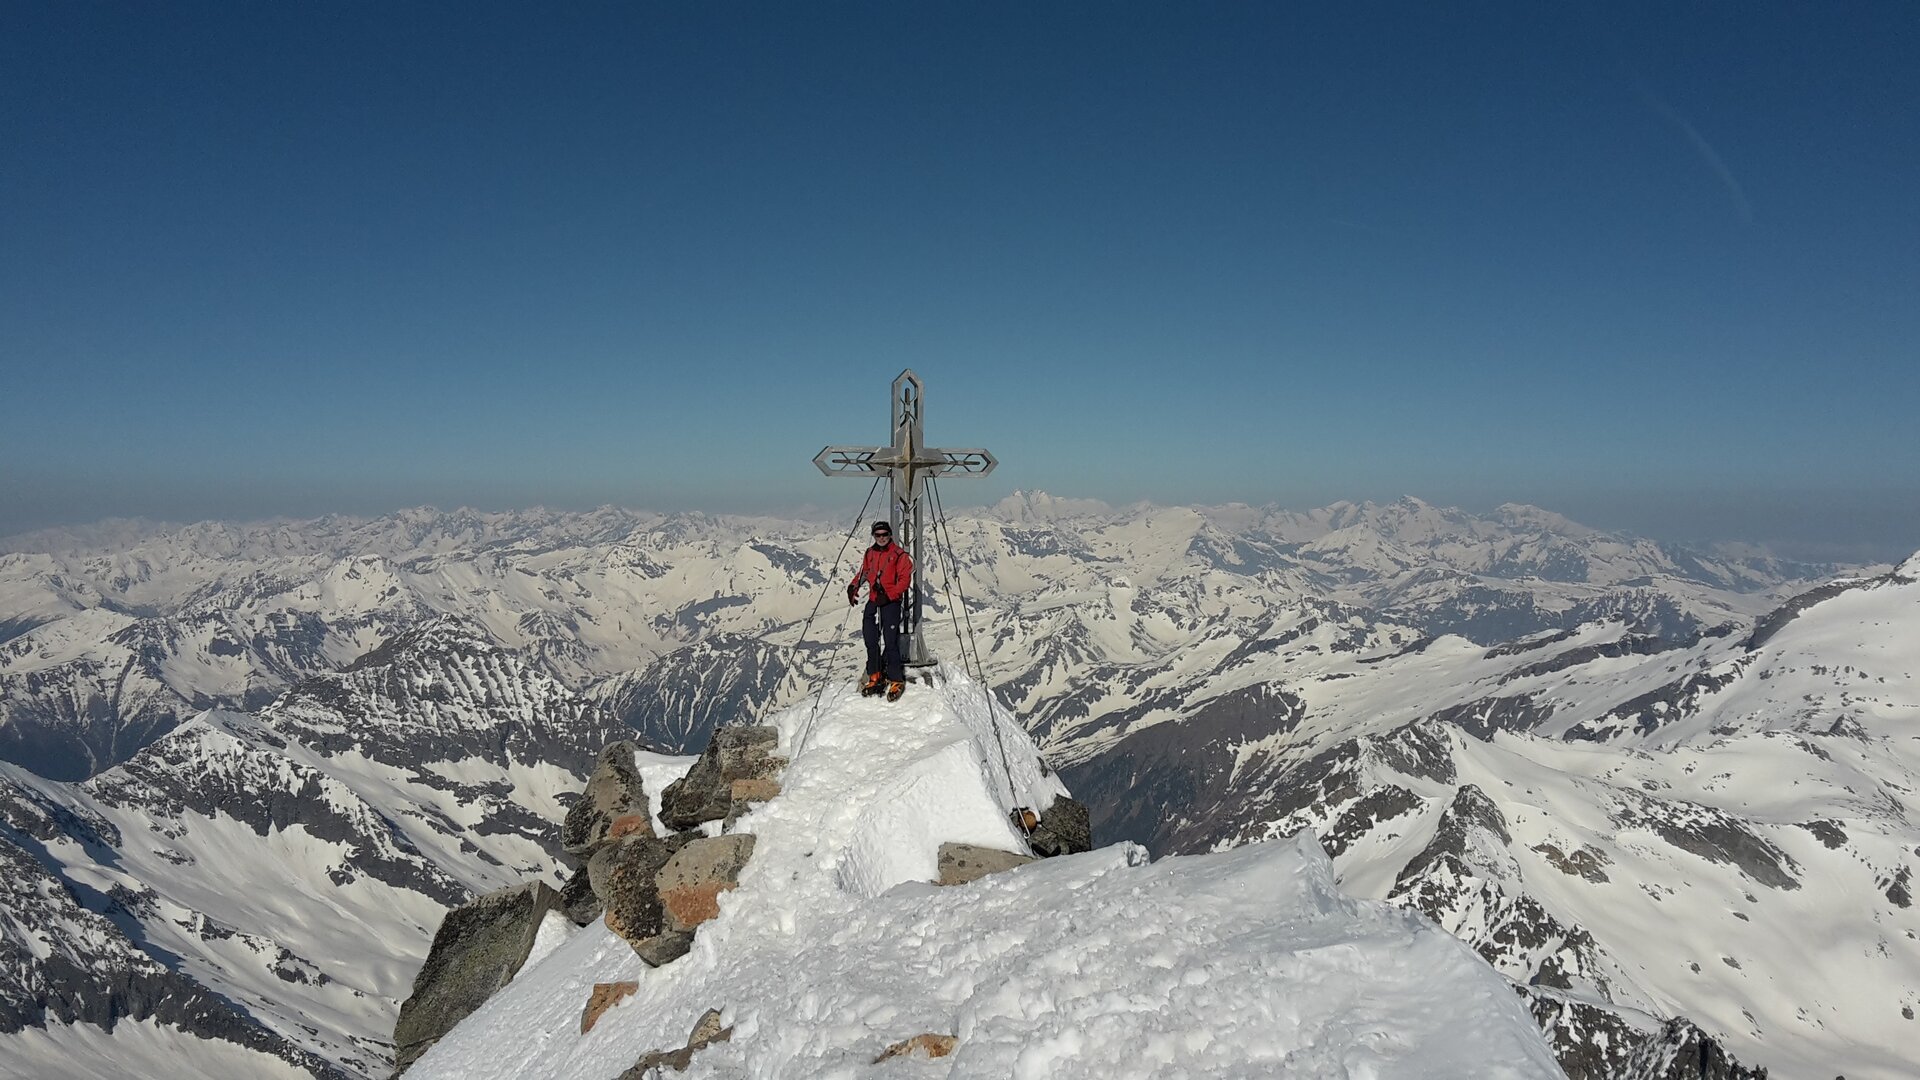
x,y
1651,267
1882,531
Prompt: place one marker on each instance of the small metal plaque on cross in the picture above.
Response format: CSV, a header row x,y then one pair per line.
x,y
907,463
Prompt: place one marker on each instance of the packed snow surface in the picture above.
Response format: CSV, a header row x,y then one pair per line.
x,y
1249,962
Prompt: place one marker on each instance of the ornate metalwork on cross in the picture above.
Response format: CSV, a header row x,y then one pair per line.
x,y
907,463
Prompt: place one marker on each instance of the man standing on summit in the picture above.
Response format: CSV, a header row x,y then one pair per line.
x,y
887,570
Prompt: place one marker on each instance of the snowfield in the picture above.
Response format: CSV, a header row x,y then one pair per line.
x,y
139,1048
1100,965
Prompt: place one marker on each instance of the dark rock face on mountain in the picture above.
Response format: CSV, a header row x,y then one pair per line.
x,y
84,960
71,721
441,691
1158,788
677,702
394,790
1593,1043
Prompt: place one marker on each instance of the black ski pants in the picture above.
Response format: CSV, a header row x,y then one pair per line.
x,y
880,625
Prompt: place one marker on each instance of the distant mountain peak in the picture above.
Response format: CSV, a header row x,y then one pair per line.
x,y
1039,506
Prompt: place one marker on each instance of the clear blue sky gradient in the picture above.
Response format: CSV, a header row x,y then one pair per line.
x,y
1654,266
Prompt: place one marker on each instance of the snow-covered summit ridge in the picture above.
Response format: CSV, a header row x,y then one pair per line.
x,y
1909,570
834,946
882,785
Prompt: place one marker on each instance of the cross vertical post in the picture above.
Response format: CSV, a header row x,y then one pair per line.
x,y
907,463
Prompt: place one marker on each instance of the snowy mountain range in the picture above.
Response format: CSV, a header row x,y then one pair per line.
x,y
1720,828
262,887
1624,772
109,638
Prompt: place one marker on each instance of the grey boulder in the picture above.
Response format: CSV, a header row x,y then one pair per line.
x,y
613,793
962,863
1065,829
578,900
706,792
479,948
691,882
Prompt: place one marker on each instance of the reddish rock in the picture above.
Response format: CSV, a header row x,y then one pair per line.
x,y
604,996
630,825
746,794
691,905
622,875
928,1045
692,880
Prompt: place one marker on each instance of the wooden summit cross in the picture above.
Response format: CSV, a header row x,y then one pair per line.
x,y
907,464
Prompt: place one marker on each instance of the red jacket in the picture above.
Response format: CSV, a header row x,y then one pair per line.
x,y
888,569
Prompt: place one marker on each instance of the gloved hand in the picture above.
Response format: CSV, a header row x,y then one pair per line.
x,y
853,594
879,594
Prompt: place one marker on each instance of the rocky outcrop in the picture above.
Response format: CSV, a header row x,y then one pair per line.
x,y
706,793
963,863
1065,829
479,948
624,875
614,803
706,1032
1595,1043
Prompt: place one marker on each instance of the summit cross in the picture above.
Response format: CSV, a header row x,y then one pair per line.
x,y
907,463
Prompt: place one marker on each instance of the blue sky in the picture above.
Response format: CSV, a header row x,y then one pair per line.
x,y
1653,266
